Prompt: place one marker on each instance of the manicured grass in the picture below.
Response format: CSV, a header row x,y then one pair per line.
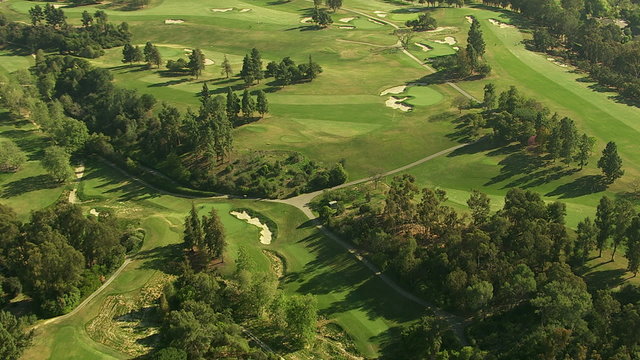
x,y
423,96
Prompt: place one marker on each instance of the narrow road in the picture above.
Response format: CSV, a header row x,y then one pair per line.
x,y
88,299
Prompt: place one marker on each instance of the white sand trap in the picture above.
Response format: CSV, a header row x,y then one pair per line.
x,y
347,27
208,62
173,21
500,24
188,51
455,48
557,62
57,6
222,10
347,19
245,10
397,104
265,233
379,12
449,40
394,90
94,212
382,15
469,19
423,46
73,195
413,10
441,28
375,21
306,20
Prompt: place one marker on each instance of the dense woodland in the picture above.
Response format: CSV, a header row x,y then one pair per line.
x,y
83,111
597,35
49,31
517,270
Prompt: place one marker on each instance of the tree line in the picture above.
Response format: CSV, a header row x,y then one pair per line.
x,y
50,31
590,34
516,269
60,255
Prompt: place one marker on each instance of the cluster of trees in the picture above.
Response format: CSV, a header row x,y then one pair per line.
x,y
513,117
320,16
193,65
49,30
590,33
14,337
422,23
204,313
287,72
150,54
11,157
516,266
468,61
246,104
60,255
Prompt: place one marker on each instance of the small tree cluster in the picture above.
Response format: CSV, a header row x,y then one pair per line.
x,y
287,72
204,237
422,23
246,104
152,55
252,67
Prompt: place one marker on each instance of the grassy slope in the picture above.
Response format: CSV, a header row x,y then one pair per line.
x,y
346,291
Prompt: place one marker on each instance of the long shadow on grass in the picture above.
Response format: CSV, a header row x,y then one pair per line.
x,y
129,190
605,279
28,184
585,185
164,258
27,141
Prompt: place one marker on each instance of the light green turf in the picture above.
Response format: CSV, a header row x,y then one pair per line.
x,y
423,96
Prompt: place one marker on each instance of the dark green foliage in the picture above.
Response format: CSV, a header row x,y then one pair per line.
x,y
611,163
262,105
131,54
14,337
196,63
422,23
286,72
475,42
334,4
321,17
152,55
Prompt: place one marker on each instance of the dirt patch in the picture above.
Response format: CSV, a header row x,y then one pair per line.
x,y
500,24
394,103
277,264
173,21
394,90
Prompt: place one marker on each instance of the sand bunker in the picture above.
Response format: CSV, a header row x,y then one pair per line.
x,y
208,62
172,21
73,194
413,10
222,10
500,24
394,90
423,47
441,28
347,27
375,21
57,6
455,48
449,40
397,104
94,212
265,233
188,51
347,19
245,10
306,20
469,19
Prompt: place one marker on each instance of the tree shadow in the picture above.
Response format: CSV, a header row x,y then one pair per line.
x,y
28,184
168,83
585,185
605,279
164,258
482,145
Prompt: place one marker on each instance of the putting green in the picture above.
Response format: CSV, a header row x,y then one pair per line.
x,y
423,96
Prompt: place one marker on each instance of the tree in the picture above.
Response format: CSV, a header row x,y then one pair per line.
x,y
337,175
422,23
262,105
475,42
247,70
425,338
334,4
479,294
404,37
36,14
56,161
256,65
611,163
585,149
633,245
14,337
152,54
11,157
192,235
205,91
587,233
248,104
521,282
87,19
128,53
70,133
490,98
569,136
233,105
301,318
321,17
480,206
563,302
196,62
214,238
605,221
623,213
226,67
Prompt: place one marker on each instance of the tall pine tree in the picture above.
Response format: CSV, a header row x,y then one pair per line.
x,y
611,163
214,238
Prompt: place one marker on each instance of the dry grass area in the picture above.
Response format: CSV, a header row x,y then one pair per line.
x,y
129,322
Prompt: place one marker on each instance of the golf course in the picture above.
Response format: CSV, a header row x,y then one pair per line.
x,y
380,110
